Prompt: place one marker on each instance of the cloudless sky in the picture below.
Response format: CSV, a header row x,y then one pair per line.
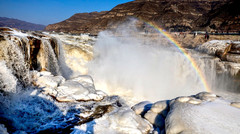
x,y
52,11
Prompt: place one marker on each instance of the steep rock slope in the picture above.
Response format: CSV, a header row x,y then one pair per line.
x,y
170,14
224,18
79,22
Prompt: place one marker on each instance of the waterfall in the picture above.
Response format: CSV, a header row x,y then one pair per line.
x,y
207,65
65,70
133,68
152,71
22,52
15,60
149,71
49,58
22,105
8,81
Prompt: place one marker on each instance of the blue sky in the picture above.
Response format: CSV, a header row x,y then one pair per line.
x,y
51,11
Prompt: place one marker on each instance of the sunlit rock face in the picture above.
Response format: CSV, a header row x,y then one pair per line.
x,y
169,14
201,113
80,21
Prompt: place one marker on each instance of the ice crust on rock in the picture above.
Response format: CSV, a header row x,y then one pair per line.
x,y
197,114
50,81
80,88
142,107
159,106
227,55
121,120
80,108
209,117
211,47
206,96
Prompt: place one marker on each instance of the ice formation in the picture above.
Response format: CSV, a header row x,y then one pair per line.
x,y
45,86
198,114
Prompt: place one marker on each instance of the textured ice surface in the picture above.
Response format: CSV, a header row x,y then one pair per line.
x,y
50,81
197,114
80,88
208,117
212,46
122,120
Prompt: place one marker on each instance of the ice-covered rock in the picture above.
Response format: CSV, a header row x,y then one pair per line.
x,y
3,130
157,114
142,107
154,113
227,54
80,88
86,81
121,120
226,50
156,119
201,113
206,96
209,117
50,81
211,47
160,106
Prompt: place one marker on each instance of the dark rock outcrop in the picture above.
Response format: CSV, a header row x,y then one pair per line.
x,y
175,15
223,17
19,24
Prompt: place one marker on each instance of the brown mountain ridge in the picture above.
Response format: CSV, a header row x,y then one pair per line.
x,y
19,24
174,15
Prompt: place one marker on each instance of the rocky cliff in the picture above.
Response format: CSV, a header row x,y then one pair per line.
x,y
223,17
171,14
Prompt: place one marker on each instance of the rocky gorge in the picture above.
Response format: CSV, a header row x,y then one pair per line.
x,y
45,87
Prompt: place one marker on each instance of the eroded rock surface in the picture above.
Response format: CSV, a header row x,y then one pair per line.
x,y
169,14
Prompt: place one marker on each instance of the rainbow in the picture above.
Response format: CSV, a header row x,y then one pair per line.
x,y
183,51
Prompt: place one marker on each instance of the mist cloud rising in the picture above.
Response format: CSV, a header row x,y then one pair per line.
x,y
149,70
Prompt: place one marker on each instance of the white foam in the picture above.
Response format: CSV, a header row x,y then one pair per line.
x,y
18,33
149,71
8,80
